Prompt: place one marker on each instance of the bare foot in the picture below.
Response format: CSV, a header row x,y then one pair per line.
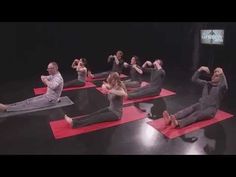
x,y
3,107
166,117
68,119
174,122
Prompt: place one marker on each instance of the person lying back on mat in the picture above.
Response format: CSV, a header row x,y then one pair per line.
x,y
116,92
79,66
117,66
207,105
135,73
54,83
156,81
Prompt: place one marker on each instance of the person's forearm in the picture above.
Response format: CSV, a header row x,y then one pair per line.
x,y
116,60
73,64
47,77
109,59
197,80
144,65
45,81
51,84
140,71
118,92
126,65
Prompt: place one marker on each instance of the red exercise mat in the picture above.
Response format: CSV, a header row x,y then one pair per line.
x,y
176,132
61,129
42,90
163,93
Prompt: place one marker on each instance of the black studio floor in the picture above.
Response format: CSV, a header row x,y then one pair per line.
x,y
31,133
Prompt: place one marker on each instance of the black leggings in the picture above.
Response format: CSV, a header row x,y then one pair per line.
x,y
102,115
144,92
75,82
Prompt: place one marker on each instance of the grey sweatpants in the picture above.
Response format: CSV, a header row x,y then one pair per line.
x,y
194,113
102,75
102,115
31,103
144,92
132,84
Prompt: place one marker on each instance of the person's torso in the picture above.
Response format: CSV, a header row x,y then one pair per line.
x,y
81,75
117,67
157,77
134,75
54,94
211,95
116,104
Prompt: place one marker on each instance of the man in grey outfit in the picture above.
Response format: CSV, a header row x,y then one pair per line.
x,y
117,66
156,81
207,105
54,83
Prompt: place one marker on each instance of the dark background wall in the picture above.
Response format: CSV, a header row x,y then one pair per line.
x,y
27,47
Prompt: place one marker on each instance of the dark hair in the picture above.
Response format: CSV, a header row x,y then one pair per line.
x,y
114,80
137,60
121,53
84,61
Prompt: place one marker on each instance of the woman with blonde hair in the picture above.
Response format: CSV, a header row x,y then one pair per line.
x,y
116,91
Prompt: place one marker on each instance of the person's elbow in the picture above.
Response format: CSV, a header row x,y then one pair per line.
x,y
193,79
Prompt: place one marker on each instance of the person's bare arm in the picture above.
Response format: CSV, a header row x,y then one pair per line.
x,y
110,58
147,63
116,60
126,65
144,67
74,63
139,70
119,92
52,84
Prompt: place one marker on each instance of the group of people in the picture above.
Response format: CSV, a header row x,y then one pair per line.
x,y
116,90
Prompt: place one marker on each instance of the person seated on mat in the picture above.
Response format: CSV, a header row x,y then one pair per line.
x,y
54,83
116,92
117,66
135,73
207,105
156,81
79,66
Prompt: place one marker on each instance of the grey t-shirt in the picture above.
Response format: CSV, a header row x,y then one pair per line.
x,y
157,76
116,104
55,87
